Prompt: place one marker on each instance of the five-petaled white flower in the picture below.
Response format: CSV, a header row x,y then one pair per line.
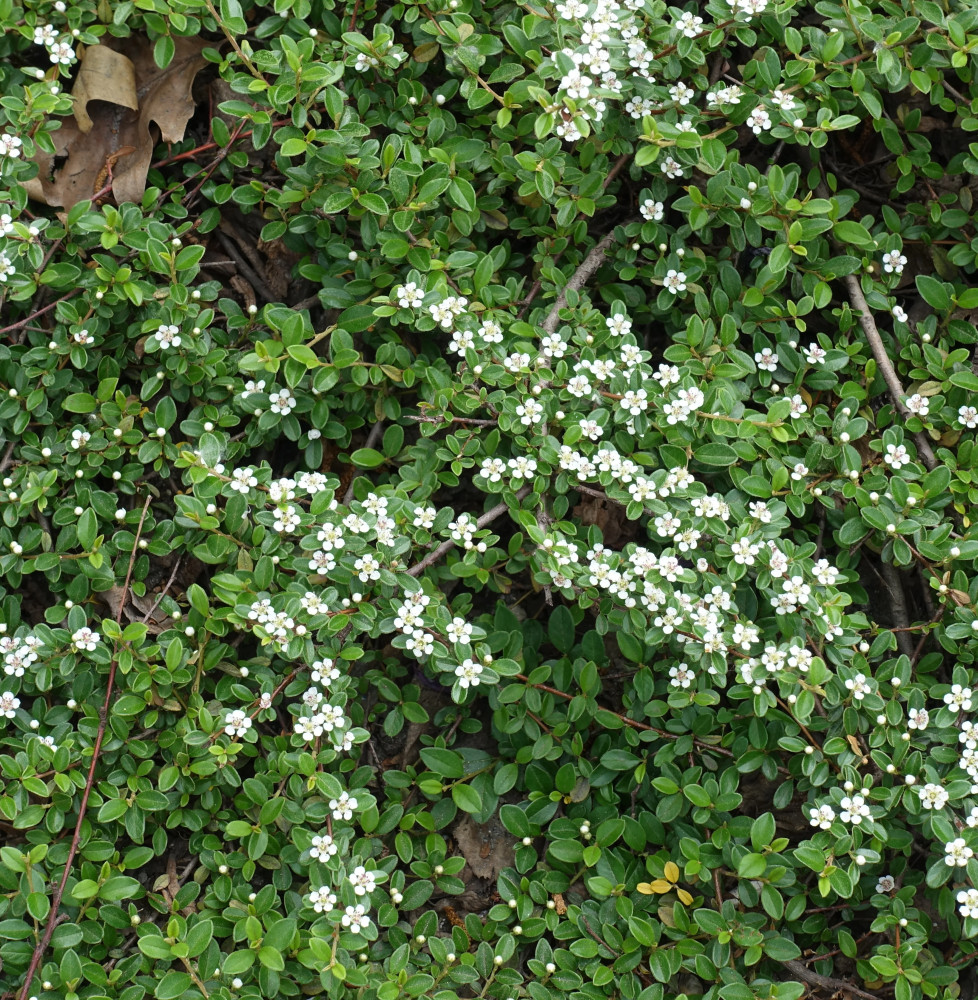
x,y
959,698
85,639
237,723
957,853
675,281
893,262
933,796
355,918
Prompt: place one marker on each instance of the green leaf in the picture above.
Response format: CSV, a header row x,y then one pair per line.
x,y
367,458
848,231
466,798
445,763
715,453
935,293
304,355
80,402
560,628
271,958
172,985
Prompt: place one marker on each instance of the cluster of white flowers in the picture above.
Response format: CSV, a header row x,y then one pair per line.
x,y
59,49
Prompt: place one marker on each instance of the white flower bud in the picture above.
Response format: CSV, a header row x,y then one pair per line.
x,y
120,514
252,309
551,967
189,630
71,703
244,671
420,939
955,551
208,426
497,960
439,98
252,896
223,869
909,780
353,255
527,841
160,432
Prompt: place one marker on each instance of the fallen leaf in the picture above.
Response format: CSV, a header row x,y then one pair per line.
x,y
121,99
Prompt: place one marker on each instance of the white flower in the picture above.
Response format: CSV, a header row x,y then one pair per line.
x,y
468,673
782,100
671,168
530,412
958,698
854,809
675,281
957,852
893,262
885,883
355,918
408,296
919,719
652,210
896,456
424,517
682,676
459,630
62,53
681,93
899,314
169,336
237,723
243,480
689,24
798,471
968,416
343,807
323,847
859,686
85,639
522,467
45,34
759,120
322,900
822,816
579,386
918,404
968,902
933,796
6,267
363,882
618,325
766,360
493,469
815,355
553,346
797,406
286,520
419,644
10,145
283,402
251,386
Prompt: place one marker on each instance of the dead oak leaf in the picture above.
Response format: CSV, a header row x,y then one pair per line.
x,y
121,99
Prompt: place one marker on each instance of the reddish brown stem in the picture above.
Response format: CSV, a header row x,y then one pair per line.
x,y
83,804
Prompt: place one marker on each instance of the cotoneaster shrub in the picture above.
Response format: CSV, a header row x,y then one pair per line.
x,y
613,492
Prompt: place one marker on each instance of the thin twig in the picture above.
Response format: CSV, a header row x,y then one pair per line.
x,y
233,251
578,280
83,804
897,394
490,515
827,982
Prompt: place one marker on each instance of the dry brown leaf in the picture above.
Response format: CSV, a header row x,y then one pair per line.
x,y
486,847
104,75
121,98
